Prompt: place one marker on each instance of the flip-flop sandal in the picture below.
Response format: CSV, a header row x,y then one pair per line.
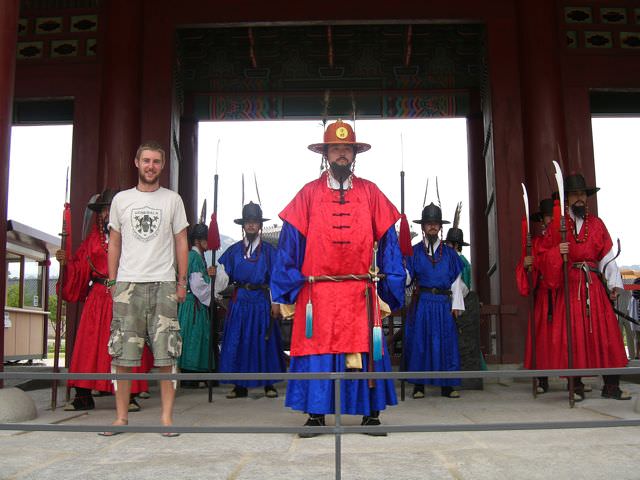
x,y
109,434
170,434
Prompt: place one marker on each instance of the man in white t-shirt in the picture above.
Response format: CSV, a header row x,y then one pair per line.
x,y
148,240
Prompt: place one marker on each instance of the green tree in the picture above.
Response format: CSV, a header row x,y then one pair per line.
x,y
13,296
53,306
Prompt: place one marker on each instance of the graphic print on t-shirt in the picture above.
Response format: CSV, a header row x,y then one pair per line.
x,y
146,222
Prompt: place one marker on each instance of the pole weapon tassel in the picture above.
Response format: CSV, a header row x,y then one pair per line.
x,y
308,330
377,324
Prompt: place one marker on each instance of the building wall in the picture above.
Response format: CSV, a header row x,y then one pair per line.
x,y
511,108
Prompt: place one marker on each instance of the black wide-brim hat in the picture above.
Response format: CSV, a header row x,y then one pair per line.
x,y
431,214
545,208
103,200
251,212
456,235
577,183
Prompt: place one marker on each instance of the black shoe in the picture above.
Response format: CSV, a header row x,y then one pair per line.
x,y
80,403
372,421
543,385
449,392
270,391
578,391
133,405
238,392
613,391
418,391
312,421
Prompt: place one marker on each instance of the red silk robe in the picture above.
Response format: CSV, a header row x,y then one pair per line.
x,y
544,300
90,354
597,340
339,241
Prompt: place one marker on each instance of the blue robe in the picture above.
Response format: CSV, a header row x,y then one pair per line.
x,y
431,334
244,348
317,396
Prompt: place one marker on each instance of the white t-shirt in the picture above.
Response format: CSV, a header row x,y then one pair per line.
x,y
147,222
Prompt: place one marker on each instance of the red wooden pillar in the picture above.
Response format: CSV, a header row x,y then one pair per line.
x,y
121,93
541,90
188,173
504,171
478,237
8,37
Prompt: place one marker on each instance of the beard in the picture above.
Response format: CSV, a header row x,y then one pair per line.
x,y
250,236
432,238
579,210
340,172
144,180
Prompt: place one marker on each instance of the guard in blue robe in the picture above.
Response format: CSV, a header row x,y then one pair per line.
x,y
251,341
431,337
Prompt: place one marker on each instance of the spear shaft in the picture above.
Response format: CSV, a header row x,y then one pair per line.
x,y
565,272
213,307
403,310
532,317
58,327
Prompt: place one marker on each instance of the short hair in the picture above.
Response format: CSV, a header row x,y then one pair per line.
x,y
150,145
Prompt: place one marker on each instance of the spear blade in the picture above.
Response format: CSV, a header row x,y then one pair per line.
x,y
426,189
203,212
525,198
560,182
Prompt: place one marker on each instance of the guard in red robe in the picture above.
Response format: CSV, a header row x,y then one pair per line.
x,y
594,282
324,257
544,295
85,277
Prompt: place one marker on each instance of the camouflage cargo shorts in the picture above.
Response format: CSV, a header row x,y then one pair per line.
x,y
145,312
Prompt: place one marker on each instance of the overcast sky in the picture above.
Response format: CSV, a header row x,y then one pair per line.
x,y
277,152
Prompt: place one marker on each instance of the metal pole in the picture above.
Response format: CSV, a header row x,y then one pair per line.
x,y
338,434
403,310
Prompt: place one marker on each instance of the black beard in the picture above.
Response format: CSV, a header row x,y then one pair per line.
x,y
340,172
579,210
432,239
250,236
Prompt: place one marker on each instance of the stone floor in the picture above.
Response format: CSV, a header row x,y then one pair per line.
x,y
595,453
